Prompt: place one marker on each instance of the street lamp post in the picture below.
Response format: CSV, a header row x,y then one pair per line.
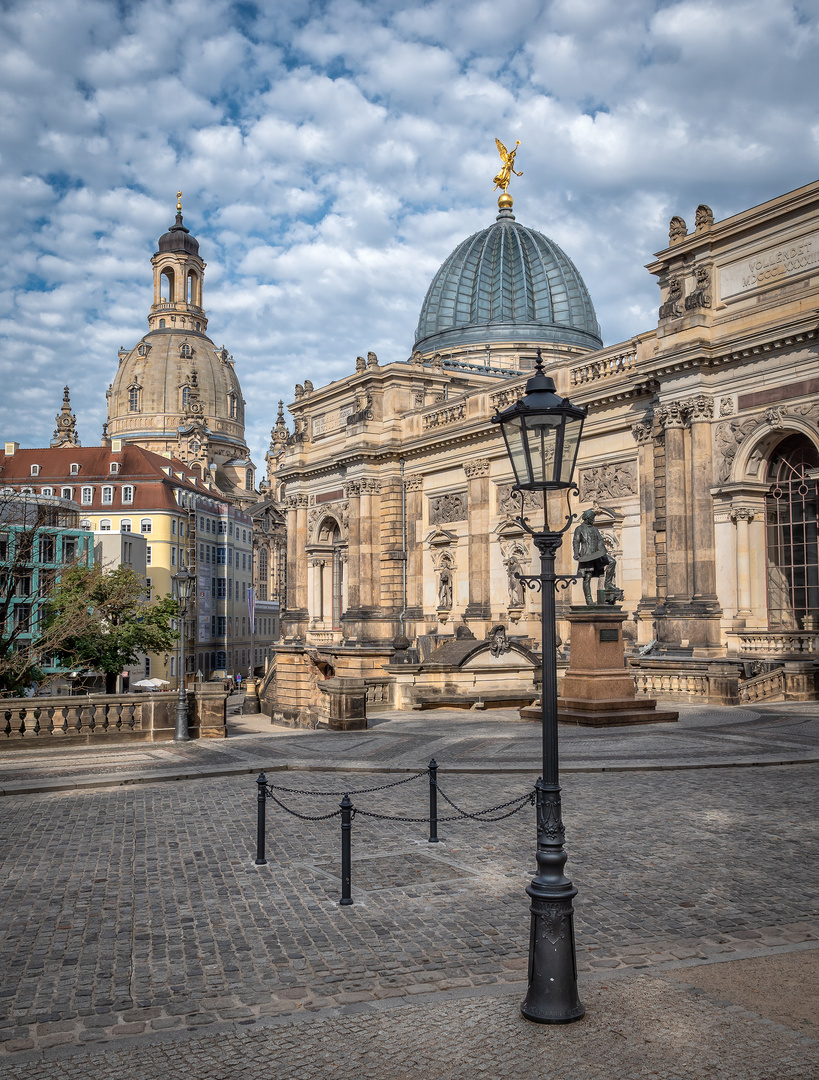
x,y
542,434
182,588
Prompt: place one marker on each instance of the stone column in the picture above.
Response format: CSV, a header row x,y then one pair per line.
x,y
477,474
352,492
701,410
301,553
415,551
295,614
742,517
672,418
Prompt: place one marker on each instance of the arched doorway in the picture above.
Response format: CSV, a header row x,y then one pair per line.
x,y
328,591
791,509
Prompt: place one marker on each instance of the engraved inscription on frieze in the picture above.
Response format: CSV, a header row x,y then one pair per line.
x,y
770,266
448,507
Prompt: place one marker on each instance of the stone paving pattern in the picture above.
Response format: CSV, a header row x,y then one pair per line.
x,y
135,915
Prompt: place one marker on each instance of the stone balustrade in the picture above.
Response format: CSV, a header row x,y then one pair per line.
x,y
659,684
768,686
602,367
800,643
105,718
449,414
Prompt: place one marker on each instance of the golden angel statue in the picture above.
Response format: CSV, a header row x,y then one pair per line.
x,y
508,167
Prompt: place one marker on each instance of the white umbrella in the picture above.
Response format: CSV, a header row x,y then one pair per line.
x,y
153,683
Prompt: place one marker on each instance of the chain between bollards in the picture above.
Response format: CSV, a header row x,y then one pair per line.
x,y
433,801
346,831
261,799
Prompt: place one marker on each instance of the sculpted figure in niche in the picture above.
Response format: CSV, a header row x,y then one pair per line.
x,y
593,560
516,588
445,589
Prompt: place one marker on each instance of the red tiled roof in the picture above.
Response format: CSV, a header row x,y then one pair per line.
x,y
141,468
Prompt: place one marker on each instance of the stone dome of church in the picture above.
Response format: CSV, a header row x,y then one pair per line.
x,y
507,283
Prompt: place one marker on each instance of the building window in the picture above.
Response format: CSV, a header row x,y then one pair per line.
x,y
186,396
133,398
185,351
47,549
173,556
792,543
222,626
145,525
87,496
230,588
147,667
143,350
85,523
105,525
67,493
249,479
48,491
173,526
107,496
147,554
35,470
232,405
113,467
127,494
173,666
262,592
221,588
221,555
148,586
74,470
125,525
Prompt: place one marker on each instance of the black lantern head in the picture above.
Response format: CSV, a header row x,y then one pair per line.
x,y
183,585
542,434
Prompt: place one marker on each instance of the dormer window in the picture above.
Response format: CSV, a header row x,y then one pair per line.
x,y
134,394
143,349
87,496
113,467
127,493
107,496
35,470
74,469
185,351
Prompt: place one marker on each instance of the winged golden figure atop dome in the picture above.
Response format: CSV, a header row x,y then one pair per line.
x,y
507,167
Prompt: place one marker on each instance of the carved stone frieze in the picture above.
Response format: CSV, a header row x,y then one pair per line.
x,y
726,406
414,483
615,480
728,438
510,504
448,507
475,469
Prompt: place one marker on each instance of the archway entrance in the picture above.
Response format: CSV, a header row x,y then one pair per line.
x,y
791,509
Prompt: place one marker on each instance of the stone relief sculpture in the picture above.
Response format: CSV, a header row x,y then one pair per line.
x,y
672,307
510,504
593,560
616,480
700,297
499,643
448,507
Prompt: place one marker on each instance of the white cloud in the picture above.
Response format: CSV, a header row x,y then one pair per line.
x,y
333,154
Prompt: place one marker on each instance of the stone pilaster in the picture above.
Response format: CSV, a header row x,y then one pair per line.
x,y
352,492
295,618
370,544
672,418
742,516
414,486
648,559
477,475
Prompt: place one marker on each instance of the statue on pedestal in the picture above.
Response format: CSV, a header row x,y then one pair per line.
x,y
593,561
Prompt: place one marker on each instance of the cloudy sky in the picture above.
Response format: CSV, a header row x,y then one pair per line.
x,y
333,153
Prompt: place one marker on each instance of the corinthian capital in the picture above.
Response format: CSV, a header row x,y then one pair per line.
x,y
671,415
352,489
742,513
479,467
699,408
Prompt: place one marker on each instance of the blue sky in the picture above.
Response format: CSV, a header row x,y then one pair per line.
x,y
333,153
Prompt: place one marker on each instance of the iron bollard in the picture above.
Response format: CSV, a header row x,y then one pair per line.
x,y
346,831
261,798
433,801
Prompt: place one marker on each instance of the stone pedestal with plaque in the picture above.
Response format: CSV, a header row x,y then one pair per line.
x,y
597,690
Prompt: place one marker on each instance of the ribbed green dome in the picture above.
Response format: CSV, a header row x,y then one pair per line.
x,y
507,283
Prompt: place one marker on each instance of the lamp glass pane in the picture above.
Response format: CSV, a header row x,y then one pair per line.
x,y
541,433
513,433
571,441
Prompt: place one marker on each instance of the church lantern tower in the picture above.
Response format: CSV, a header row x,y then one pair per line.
x,y
175,392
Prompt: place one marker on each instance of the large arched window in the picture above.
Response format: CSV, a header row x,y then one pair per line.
x,y
791,536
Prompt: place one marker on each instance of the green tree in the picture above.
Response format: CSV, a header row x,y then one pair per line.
x,y
122,623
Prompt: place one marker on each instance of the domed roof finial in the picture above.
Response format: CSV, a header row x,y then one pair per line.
x,y
505,175
179,202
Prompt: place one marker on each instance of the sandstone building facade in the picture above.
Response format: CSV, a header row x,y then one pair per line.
x,y
700,455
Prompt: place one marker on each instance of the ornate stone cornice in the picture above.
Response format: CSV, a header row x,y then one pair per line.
x,y
477,468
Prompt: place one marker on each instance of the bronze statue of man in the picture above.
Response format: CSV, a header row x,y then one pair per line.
x,y
593,560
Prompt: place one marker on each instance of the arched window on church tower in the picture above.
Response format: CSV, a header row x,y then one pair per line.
x,y
186,396
249,479
791,509
185,351
134,391
166,286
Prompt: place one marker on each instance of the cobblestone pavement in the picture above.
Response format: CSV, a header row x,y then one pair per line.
x,y
497,741
136,913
